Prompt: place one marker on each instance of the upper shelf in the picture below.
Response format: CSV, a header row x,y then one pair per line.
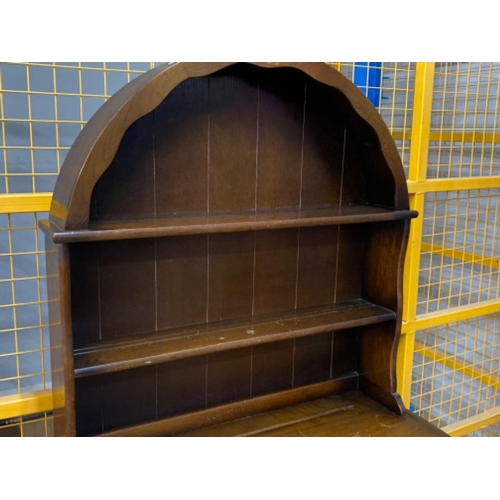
x,y
226,223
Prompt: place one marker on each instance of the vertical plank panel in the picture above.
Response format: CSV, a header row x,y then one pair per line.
x,y
233,138
349,266
129,397
126,189
275,270
88,406
181,386
323,148
181,147
312,359
280,138
354,182
84,293
317,264
181,280
231,260
272,367
345,349
229,376
127,287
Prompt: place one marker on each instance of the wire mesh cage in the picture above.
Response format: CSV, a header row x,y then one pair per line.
x,y
456,369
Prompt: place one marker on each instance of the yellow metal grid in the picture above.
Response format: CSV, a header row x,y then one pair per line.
x,y
36,425
465,121
460,261
43,107
24,341
396,100
457,370
445,119
488,431
456,356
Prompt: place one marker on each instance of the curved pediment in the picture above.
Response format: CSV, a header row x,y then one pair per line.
x,y
228,137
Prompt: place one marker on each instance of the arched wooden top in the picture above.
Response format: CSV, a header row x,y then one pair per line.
x,y
97,144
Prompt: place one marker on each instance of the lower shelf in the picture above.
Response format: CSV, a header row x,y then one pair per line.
x,y
327,409
169,345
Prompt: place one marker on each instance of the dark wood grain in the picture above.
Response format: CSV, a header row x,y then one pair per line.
x,y
227,223
230,231
96,146
354,184
182,386
384,241
280,133
233,139
199,340
277,421
349,415
317,266
344,352
272,367
324,136
181,268
312,359
127,288
368,145
350,252
275,270
61,338
228,376
128,397
88,407
377,364
116,194
231,265
224,413
84,261
378,360
181,138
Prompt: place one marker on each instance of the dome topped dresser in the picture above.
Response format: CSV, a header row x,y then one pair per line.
x,y
225,251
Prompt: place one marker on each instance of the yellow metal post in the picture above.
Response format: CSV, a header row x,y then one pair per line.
x,y
417,171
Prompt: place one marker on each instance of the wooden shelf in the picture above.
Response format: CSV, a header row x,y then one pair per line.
x,y
350,414
326,409
167,345
226,223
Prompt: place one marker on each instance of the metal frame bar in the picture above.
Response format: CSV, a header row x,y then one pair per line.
x,y
25,403
457,184
471,424
472,137
24,203
417,172
456,365
461,255
451,315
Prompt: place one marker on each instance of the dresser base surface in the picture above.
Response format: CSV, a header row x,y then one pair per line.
x,y
352,414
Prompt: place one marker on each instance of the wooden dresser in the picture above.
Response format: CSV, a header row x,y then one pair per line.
x,y
225,251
